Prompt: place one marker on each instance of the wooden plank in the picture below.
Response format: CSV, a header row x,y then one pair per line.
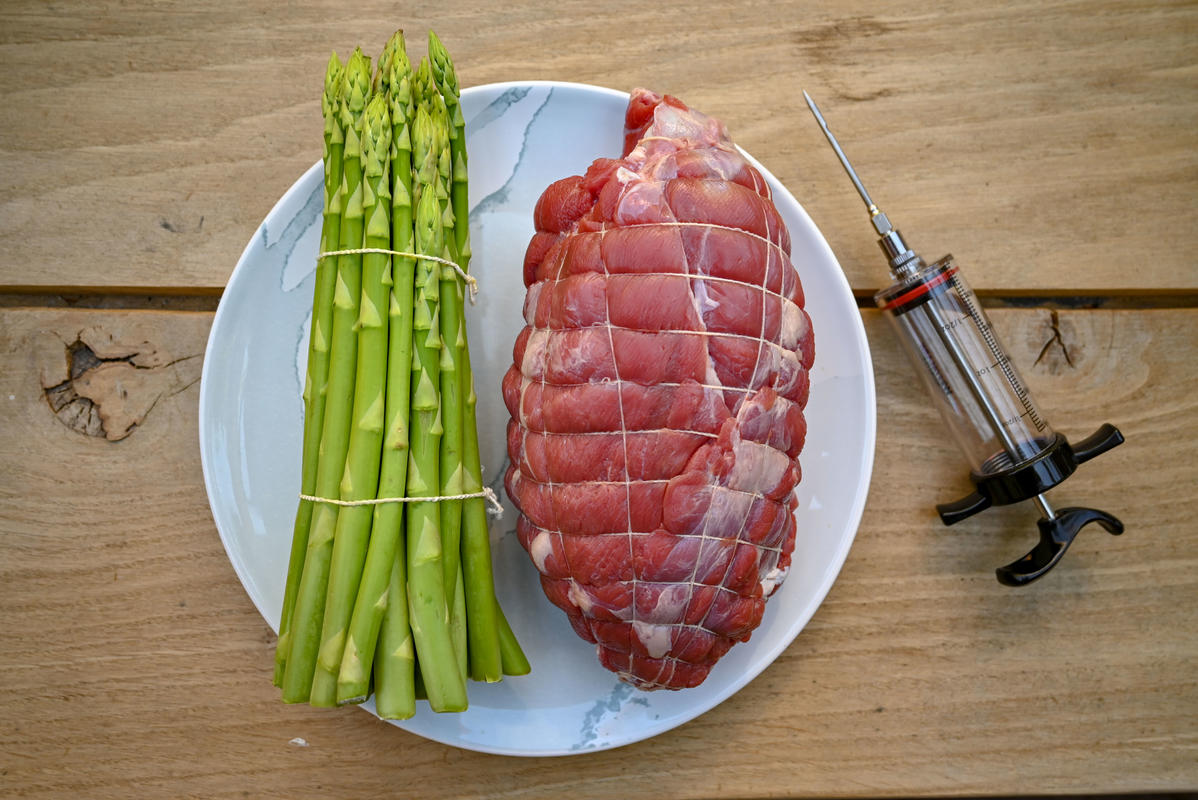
x,y
135,664
1049,145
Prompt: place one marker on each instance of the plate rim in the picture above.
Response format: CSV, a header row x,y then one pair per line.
x,y
831,570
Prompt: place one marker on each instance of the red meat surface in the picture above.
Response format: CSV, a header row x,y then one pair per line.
x,y
657,396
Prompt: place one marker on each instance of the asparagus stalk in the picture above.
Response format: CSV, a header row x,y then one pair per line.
x,y
514,661
481,607
450,298
426,583
451,400
395,662
318,350
307,619
380,613
361,478
457,623
485,621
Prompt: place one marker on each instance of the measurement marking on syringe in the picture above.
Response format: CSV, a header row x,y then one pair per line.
x,y
1002,360
1009,421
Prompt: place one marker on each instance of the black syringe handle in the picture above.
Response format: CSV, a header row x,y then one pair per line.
x,y
1056,535
1097,443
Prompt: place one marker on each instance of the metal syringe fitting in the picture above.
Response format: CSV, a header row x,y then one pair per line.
x,y
880,221
903,261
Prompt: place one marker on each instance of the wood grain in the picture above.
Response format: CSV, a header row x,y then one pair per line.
x,y
136,666
1049,145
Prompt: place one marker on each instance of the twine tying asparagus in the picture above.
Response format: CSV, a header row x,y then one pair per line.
x,y
468,279
492,500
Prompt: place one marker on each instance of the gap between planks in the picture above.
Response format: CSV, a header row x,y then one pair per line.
x,y
159,299
1131,299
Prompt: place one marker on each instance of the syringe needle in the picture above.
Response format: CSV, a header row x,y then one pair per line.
x,y
844,161
891,242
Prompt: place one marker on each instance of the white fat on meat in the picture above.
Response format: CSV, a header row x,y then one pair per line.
x,y
588,351
794,325
626,176
773,579
655,638
535,355
778,361
703,303
788,373
539,548
758,467
727,508
702,299
671,603
532,300
640,200
579,597
524,384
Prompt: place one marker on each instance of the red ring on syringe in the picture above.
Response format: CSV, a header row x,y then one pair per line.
x,y
914,295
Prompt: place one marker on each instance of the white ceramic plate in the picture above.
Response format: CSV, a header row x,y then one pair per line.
x,y
521,137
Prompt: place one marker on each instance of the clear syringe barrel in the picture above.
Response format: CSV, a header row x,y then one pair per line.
x,y
977,390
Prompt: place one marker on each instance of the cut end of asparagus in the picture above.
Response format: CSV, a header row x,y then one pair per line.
x,y
396,713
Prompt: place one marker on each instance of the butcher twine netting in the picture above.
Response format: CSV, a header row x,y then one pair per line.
x,y
653,626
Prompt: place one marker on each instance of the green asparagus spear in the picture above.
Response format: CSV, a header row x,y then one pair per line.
x,y
318,350
427,594
361,478
450,298
514,660
395,662
484,616
481,606
308,614
380,613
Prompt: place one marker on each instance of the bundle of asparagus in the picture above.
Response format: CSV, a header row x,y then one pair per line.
x,y
394,596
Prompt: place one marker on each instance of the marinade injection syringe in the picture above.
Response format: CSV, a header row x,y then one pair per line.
x,y
1013,453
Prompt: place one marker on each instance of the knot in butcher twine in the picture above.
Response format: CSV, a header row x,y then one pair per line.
x,y
494,508
468,279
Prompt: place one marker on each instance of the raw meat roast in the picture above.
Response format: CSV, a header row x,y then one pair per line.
x,y
657,397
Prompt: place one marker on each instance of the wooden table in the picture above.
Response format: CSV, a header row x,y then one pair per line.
x,y
1050,145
